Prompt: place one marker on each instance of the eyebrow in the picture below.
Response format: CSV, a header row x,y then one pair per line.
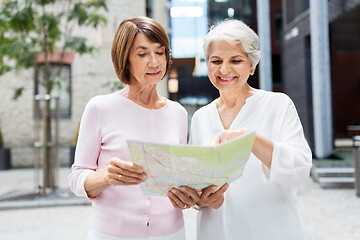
x,y
240,56
145,48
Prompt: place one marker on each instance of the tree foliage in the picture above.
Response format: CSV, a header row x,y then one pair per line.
x,y
31,27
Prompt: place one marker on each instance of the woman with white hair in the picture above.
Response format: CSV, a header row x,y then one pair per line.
x,y
261,204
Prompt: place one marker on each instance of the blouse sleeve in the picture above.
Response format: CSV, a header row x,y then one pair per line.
x,y
87,149
292,158
193,128
184,129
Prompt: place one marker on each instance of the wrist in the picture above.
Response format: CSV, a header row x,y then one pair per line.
x,y
105,177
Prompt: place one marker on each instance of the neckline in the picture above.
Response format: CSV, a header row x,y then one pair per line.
x,y
142,107
236,119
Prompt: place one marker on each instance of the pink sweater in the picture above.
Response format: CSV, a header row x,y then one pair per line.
x,y
107,122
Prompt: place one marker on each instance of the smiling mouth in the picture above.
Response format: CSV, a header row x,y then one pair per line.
x,y
153,73
226,79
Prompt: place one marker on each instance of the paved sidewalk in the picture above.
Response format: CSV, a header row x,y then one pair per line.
x,y
330,214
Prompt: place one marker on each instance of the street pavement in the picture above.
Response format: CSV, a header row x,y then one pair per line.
x,y
326,214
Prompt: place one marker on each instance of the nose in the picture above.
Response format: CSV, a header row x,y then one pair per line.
x,y
153,61
224,68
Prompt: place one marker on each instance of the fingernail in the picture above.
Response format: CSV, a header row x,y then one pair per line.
x,y
182,189
173,191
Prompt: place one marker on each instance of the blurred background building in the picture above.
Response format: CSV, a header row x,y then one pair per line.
x,y
344,48
187,22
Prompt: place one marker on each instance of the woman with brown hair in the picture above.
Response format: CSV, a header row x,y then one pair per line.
x,y
103,170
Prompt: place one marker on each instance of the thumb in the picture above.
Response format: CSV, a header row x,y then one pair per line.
x,y
209,190
216,140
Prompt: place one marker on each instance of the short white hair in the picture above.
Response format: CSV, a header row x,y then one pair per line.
x,y
235,32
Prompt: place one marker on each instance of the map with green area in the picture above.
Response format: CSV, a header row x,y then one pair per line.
x,y
170,166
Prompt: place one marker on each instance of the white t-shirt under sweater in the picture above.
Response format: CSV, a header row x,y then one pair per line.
x,y
124,211
261,205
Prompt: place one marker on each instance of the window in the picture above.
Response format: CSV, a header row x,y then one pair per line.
x,y
149,8
219,10
188,21
278,26
294,8
61,78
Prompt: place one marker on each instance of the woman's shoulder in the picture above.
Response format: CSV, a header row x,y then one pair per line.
x,y
104,100
176,106
205,110
276,98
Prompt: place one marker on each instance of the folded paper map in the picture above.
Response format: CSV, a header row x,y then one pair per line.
x,y
170,166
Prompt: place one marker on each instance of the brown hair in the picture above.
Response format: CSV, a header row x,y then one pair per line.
x,y
124,38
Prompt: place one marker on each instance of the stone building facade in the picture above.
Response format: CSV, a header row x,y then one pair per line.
x,y
88,74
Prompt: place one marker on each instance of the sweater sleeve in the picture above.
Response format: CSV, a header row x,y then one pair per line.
x,y
292,158
87,149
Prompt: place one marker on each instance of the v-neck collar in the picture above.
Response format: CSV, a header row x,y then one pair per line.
x,y
236,120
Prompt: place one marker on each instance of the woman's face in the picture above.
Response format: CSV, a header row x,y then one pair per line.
x,y
147,61
228,66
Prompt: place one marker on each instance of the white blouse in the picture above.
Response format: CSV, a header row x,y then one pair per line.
x,y
261,205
